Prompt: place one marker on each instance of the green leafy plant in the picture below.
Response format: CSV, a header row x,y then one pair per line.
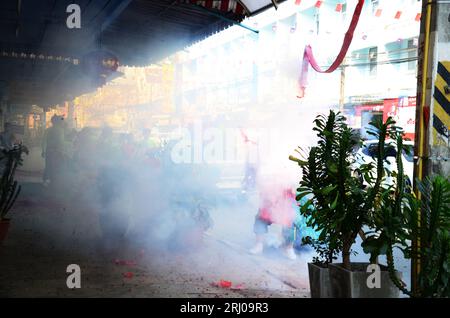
x,y
395,223
340,201
428,220
387,219
434,237
345,198
9,188
325,255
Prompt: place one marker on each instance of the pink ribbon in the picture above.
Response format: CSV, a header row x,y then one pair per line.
x,y
308,57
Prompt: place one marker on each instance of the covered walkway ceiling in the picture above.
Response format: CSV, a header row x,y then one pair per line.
x,y
37,48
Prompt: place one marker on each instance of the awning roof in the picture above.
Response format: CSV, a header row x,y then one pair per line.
x,y
138,32
256,6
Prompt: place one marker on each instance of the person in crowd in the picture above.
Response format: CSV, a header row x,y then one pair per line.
x,y
113,182
8,138
54,151
128,146
153,140
85,153
251,163
107,146
277,205
143,146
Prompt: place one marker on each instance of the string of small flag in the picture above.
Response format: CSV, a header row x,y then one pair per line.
x,y
33,56
378,12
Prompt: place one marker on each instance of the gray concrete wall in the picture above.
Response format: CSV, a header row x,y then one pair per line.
x,y
440,147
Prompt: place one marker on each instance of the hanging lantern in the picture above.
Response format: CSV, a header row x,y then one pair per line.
x,y
339,7
318,4
100,64
398,15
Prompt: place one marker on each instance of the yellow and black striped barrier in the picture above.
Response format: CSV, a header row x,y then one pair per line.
x,y
441,106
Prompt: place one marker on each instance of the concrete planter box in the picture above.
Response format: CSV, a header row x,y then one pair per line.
x,y
353,284
4,227
319,281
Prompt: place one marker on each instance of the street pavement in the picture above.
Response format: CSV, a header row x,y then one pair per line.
x,y
47,235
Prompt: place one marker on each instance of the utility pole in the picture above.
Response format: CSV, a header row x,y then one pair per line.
x,y
342,87
433,103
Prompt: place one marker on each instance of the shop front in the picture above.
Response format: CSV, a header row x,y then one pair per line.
x,y
401,109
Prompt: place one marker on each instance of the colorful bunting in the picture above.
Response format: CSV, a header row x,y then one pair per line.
x,y
34,56
378,12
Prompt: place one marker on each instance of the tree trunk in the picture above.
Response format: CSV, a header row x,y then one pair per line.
x,y
346,255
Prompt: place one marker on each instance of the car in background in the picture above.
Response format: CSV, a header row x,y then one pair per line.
x,y
368,151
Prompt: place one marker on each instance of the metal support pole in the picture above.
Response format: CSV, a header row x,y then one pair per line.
x,y
342,87
421,167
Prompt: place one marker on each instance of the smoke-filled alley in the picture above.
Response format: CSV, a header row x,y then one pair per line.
x,y
224,149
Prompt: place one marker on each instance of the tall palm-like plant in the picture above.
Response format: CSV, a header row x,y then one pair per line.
x,y
434,234
399,217
427,220
387,220
9,188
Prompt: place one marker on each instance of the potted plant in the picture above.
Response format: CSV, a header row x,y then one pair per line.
x,y
326,253
319,277
398,230
434,235
342,204
9,189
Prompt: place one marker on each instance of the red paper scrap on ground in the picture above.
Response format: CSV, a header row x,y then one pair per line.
x,y
128,275
123,262
239,286
226,284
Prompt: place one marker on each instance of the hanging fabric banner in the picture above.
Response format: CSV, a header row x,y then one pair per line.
x,y
308,57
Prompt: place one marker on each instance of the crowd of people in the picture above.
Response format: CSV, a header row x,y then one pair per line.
x,y
127,173
135,172
89,149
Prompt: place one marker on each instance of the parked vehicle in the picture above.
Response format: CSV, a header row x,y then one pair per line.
x,y
368,153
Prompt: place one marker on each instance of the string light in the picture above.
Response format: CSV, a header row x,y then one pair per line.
x,y
33,56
